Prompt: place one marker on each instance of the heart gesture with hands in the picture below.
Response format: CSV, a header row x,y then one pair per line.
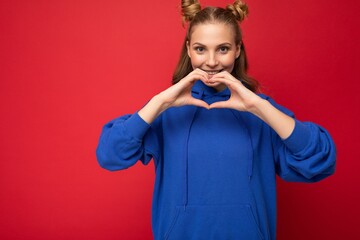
x,y
241,99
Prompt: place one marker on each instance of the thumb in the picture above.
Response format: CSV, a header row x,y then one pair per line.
x,y
221,104
199,103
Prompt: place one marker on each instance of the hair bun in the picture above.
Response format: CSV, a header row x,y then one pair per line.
x,y
189,8
239,9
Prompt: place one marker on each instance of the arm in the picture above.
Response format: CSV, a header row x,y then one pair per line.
x,y
242,99
281,123
303,151
127,139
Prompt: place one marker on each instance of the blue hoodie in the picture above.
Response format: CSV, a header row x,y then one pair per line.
x,y
215,169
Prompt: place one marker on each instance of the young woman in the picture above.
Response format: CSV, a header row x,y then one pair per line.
x,y
216,144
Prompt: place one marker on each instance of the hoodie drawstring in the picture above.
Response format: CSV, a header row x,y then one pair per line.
x,y
186,145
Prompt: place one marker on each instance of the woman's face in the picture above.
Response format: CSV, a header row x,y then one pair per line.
x,y
212,48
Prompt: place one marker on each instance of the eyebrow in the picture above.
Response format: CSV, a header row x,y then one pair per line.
x,y
222,44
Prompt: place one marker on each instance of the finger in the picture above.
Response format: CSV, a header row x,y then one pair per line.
x,y
220,80
198,78
198,72
221,104
225,74
199,103
189,81
231,83
193,77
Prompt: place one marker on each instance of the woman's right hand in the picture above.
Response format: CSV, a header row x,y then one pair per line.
x,y
177,95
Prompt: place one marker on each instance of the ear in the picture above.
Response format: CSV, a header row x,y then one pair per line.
x,y
188,48
238,50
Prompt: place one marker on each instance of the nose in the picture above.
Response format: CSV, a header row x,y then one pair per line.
x,y
212,60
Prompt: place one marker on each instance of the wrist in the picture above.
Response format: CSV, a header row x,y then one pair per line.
x,y
262,108
281,123
258,106
159,101
152,109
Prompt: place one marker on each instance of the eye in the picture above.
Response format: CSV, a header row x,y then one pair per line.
x,y
223,49
199,49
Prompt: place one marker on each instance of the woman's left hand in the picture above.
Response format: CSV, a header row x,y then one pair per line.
x,y
241,99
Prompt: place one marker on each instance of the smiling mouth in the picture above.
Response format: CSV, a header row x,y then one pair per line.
x,y
212,72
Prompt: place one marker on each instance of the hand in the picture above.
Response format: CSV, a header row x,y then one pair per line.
x,y
180,93
241,99
177,95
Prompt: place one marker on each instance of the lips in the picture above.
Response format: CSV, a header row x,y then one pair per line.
x,y
213,72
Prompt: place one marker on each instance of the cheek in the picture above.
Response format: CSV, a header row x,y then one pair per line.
x,y
196,60
228,61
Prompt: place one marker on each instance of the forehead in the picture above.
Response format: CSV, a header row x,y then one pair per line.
x,y
212,34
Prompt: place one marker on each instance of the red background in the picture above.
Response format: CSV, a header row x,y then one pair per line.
x,y
68,67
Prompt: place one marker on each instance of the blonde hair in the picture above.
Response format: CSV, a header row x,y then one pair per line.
x,y
231,16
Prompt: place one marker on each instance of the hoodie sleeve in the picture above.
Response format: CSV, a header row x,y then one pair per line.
x,y
124,141
307,155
